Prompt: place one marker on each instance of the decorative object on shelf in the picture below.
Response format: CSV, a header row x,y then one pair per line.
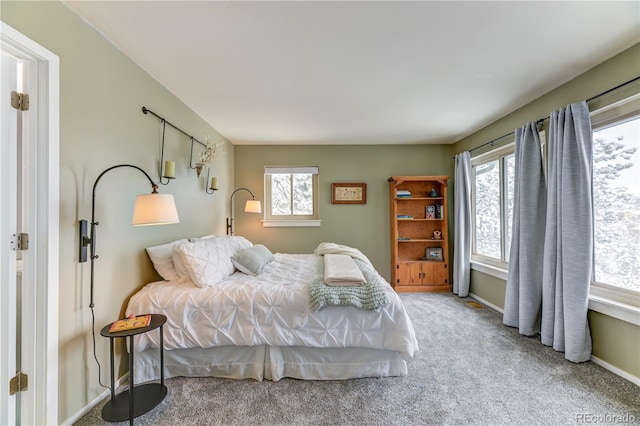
x,y
430,212
251,206
437,235
433,193
348,193
434,253
439,210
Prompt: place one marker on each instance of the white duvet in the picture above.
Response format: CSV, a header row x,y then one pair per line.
x,y
270,309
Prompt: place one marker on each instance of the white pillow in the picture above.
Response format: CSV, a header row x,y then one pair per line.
x,y
204,237
252,260
162,258
206,262
236,244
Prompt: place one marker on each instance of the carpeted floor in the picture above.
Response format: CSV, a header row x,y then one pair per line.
x,y
471,370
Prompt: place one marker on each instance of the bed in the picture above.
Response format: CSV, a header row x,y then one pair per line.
x,y
232,313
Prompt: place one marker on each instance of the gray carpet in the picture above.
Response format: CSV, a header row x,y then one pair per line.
x,y
471,370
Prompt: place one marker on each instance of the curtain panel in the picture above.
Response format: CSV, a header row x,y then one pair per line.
x,y
462,225
523,297
568,247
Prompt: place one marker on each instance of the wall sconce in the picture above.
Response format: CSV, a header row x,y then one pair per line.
x,y
251,206
169,166
213,186
149,209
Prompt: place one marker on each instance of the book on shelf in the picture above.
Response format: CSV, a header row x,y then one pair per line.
x,y
403,193
404,216
130,323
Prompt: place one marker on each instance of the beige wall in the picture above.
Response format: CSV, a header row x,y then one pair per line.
x,y
363,226
615,342
101,95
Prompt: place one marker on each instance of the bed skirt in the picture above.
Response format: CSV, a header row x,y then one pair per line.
x,y
270,363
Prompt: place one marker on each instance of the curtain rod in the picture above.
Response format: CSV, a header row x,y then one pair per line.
x,y
146,110
491,142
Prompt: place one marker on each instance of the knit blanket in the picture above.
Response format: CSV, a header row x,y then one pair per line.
x,y
369,296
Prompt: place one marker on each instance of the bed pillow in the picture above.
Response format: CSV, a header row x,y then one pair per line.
x,y
236,243
162,258
252,260
206,262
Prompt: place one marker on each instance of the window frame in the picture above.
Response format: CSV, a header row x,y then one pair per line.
x,y
609,299
270,220
487,264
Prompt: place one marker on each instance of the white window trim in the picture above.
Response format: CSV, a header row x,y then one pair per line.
x,y
292,221
493,265
606,299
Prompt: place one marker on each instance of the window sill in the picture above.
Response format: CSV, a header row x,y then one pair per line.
x,y
290,223
492,270
612,308
599,302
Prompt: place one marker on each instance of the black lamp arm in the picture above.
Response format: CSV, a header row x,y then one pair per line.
x,y
230,220
91,239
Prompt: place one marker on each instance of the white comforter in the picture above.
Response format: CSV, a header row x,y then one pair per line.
x,y
270,309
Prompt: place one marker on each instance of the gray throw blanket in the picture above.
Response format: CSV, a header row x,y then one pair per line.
x,y
370,296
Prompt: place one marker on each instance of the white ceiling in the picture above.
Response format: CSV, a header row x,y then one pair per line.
x,y
361,72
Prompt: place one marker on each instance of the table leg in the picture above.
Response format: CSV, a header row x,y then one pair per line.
x,y
131,384
113,374
161,356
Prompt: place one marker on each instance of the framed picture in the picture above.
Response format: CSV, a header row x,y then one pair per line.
x,y
348,193
434,253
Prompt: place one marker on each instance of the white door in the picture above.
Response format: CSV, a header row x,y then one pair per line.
x,y
8,254
29,169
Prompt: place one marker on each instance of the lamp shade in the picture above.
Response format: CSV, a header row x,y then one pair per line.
x,y
253,206
155,209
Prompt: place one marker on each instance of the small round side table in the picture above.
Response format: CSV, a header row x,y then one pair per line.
x,y
138,399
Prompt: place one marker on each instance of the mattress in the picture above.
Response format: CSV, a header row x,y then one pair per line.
x,y
270,310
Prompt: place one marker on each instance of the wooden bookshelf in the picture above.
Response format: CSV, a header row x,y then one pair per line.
x,y
415,263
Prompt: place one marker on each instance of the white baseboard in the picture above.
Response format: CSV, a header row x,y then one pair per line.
x,y
77,416
615,370
484,302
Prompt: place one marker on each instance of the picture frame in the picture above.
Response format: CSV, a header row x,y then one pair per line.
x,y
434,253
348,193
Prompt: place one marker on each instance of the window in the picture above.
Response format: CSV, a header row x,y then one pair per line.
x,y
616,197
291,196
492,205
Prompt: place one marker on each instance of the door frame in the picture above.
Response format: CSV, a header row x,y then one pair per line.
x,y
41,313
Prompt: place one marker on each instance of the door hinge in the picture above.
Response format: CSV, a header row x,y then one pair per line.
x,y
19,383
19,241
20,101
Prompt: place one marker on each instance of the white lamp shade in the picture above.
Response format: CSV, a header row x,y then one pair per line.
x,y
155,209
253,206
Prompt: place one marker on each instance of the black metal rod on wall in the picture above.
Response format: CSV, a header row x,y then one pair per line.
x,y
145,110
491,142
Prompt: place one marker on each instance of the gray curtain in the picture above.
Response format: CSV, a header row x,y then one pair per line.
x,y
462,225
568,248
523,298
